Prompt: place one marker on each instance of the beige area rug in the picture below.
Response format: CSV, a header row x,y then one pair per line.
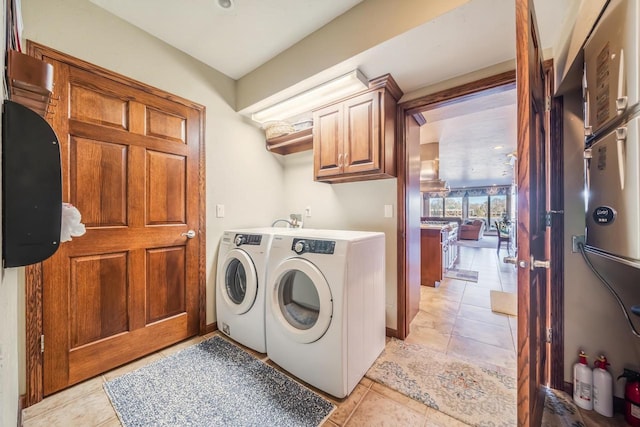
x,y
560,411
460,274
472,394
504,302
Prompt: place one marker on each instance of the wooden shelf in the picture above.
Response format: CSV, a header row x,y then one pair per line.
x,y
30,81
295,142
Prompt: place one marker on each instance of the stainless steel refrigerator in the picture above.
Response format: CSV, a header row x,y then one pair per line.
x,y
611,89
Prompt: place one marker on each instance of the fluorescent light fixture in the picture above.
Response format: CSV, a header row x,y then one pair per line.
x,y
315,97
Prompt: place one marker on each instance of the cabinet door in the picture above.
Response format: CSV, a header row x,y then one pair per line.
x,y
327,141
362,133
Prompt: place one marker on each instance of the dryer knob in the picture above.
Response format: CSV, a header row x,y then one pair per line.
x,y
238,240
299,247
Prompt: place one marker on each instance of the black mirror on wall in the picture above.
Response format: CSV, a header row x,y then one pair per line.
x,y
31,187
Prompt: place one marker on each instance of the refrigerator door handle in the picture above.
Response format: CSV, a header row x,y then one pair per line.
x,y
621,137
587,168
621,100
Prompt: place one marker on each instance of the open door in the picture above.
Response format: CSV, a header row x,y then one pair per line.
x,y
533,238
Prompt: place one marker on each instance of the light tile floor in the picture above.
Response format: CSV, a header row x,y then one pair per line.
x,y
455,317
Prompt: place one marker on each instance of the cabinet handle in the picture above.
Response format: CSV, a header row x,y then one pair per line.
x,y
339,160
346,158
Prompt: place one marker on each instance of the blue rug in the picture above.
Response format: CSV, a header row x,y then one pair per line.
x,y
213,383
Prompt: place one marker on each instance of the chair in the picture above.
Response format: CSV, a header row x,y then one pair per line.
x,y
504,235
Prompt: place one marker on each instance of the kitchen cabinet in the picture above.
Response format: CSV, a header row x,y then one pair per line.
x,y
354,139
438,253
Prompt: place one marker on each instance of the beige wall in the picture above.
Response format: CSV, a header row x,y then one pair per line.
x,y
593,321
9,343
240,173
352,206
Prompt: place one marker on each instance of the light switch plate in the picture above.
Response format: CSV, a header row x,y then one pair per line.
x,y
388,211
219,211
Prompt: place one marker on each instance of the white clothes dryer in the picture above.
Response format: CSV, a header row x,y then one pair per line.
x,y
325,306
240,284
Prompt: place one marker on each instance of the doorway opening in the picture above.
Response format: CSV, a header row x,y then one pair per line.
x,y
473,131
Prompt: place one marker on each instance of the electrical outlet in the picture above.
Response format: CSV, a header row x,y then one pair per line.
x,y
575,240
307,212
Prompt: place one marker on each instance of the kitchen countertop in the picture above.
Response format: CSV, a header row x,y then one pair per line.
x,y
434,226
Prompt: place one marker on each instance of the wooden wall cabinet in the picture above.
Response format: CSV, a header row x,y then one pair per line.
x,y
354,139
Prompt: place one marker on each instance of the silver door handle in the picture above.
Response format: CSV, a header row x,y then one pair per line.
x,y
539,264
189,234
514,260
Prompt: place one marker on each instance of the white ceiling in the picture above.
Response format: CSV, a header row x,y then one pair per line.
x,y
234,41
475,138
473,36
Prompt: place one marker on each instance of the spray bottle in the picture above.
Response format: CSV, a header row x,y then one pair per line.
x,y
582,383
602,388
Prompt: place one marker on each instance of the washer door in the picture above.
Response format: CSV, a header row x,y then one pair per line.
x,y
301,300
239,281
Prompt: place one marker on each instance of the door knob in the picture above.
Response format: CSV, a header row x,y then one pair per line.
x,y
189,234
514,260
539,264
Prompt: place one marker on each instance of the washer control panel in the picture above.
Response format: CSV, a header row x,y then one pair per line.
x,y
301,246
247,239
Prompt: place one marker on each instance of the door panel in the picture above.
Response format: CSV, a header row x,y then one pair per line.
x,y
533,239
166,188
130,285
98,181
166,126
92,106
165,282
98,283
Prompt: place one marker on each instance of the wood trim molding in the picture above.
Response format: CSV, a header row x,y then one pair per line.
x,y
494,84
202,221
392,333
402,283
211,327
38,50
33,273
21,405
33,332
556,289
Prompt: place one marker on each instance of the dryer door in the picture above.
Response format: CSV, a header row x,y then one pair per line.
x,y
239,280
301,300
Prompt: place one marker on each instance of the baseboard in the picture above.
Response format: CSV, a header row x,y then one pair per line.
x,y
392,333
22,401
618,402
211,327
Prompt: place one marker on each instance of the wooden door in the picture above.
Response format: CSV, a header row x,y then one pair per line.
x,y
533,238
362,133
327,141
130,285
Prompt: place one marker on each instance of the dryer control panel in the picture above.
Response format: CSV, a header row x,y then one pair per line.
x,y
301,246
248,239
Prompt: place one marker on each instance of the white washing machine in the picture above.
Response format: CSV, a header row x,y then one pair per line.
x,y
240,284
325,310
